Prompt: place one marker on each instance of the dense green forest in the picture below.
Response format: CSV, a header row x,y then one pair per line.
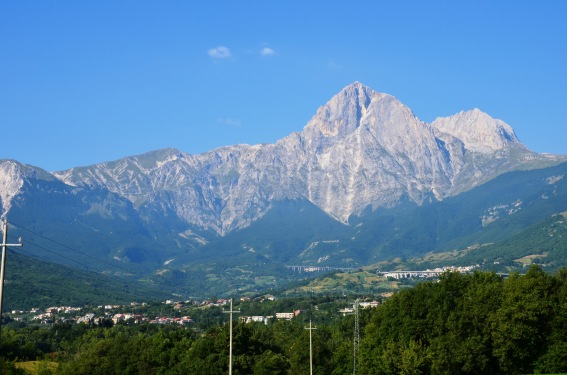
x,y
476,323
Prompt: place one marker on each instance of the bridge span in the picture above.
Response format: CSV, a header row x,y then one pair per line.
x,y
427,273
319,268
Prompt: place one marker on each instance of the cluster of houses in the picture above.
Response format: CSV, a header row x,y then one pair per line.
x,y
47,315
135,318
205,303
64,313
361,305
266,319
427,273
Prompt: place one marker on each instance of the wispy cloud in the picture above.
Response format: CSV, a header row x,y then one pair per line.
x,y
229,121
266,51
220,52
333,65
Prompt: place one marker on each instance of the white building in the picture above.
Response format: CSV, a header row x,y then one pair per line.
x,y
250,319
285,315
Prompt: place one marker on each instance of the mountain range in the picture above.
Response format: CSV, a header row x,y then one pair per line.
x,y
365,180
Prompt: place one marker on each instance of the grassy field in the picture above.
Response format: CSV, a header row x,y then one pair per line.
x,y
359,282
34,367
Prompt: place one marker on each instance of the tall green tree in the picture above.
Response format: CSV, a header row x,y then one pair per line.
x,y
522,323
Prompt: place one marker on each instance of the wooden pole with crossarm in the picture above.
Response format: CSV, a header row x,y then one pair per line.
x,y
230,340
310,328
2,267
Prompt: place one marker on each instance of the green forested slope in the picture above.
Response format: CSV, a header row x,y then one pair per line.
x,y
36,283
463,324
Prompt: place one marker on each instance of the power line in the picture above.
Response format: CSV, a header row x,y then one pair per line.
x,y
37,257
53,252
72,249
86,266
87,271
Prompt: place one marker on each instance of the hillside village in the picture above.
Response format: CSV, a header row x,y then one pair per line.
x,y
137,313
130,314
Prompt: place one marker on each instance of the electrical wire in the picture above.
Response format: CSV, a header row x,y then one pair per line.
x,y
27,242
137,287
70,248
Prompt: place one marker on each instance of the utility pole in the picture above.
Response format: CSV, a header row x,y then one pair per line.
x,y
230,345
356,335
4,245
310,328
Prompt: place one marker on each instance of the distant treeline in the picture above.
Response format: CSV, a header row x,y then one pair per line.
x,y
475,323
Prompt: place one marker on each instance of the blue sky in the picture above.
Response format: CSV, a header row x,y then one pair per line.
x,y
88,82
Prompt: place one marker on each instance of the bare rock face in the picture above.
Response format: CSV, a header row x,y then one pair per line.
x,y
361,149
367,148
13,176
478,131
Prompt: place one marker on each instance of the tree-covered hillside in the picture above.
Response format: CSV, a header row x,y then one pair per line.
x,y
544,244
36,283
474,323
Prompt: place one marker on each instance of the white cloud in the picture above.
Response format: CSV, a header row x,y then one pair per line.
x,y
220,52
230,121
332,65
266,51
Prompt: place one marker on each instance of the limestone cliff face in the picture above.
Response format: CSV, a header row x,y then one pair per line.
x,y
13,176
361,149
478,132
366,148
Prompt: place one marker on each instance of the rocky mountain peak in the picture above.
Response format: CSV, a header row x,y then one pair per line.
x,y
478,131
342,114
361,149
13,174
